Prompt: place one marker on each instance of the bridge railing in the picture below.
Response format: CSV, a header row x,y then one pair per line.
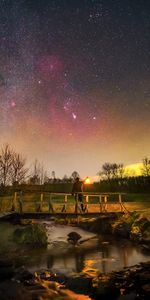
x,y
66,203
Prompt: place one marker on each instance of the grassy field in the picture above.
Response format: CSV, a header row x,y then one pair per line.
x,y
136,197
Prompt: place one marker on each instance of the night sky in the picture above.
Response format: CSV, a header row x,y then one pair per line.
x,y
75,82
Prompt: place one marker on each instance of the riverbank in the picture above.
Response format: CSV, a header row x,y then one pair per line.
x,y
131,225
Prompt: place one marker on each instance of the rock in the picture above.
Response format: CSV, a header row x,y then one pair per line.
x,y
131,283
22,275
73,237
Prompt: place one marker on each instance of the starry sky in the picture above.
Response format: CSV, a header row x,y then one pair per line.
x,y
75,82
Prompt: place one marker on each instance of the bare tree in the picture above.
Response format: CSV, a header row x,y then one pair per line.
x,y
18,171
6,159
146,166
38,174
106,171
12,166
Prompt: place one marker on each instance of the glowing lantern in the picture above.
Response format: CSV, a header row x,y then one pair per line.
x,y
87,180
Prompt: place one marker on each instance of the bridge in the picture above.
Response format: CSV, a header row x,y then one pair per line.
x,y
64,204
49,205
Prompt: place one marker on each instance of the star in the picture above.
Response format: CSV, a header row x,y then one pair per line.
x,y
13,104
74,116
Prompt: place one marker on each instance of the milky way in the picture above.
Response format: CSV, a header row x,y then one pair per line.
x,y
74,82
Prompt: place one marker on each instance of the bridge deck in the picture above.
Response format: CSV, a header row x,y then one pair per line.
x,y
5,216
46,215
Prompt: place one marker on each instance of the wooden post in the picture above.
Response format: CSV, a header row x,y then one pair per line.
x,y
100,202
50,206
14,202
105,203
120,202
76,203
20,203
86,203
41,202
66,199
64,208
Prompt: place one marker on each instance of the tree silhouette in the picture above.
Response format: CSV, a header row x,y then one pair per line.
x,y
38,174
145,167
12,166
111,171
74,175
18,171
5,164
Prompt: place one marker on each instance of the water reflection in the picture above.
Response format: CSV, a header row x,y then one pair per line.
x,y
105,257
80,262
75,263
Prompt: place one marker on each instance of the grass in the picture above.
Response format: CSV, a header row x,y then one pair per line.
x,y
136,197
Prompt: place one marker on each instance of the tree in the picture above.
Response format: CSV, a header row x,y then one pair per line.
x,y
12,166
38,174
112,171
74,175
18,171
34,180
145,167
65,179
6,159
106,171
120,170
53,175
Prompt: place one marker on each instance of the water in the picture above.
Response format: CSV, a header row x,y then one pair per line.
x,y
102,254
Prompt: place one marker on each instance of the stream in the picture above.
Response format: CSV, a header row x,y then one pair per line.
x,y
102,254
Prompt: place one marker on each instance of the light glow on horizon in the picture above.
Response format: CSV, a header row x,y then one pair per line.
x,y
87,180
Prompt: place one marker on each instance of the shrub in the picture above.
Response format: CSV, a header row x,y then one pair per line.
x,y
33,235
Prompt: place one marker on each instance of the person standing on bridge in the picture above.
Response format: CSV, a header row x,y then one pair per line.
x,y
77,191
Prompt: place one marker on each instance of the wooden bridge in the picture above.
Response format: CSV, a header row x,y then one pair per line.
x,y
64,204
